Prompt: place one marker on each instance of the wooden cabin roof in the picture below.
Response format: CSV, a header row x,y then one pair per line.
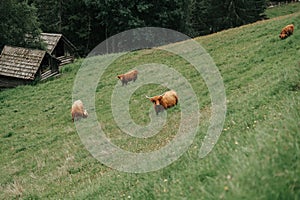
x,y
52,39
20,62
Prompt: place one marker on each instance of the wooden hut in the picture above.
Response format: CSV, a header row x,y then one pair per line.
x,y
59,47
20,66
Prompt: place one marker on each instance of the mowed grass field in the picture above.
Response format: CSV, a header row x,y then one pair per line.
x,y
256,157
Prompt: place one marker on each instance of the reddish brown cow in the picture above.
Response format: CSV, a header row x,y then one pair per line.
x,y
77,110
129,76
286,31
164,101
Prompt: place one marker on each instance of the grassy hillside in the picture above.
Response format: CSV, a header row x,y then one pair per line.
x,y
283,9
256,157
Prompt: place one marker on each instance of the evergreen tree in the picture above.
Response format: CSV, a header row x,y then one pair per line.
x,y
77,25
198,22
19,24
49,13
244,11
88,22
110,17
215,15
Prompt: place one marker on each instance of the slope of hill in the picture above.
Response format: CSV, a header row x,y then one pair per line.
x,y
256,157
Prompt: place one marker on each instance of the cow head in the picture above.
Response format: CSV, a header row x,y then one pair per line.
x,y
120,77
85,114
282,35
156,100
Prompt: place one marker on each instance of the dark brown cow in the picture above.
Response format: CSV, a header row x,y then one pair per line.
x,y
286,31
164,101
129,76
77,110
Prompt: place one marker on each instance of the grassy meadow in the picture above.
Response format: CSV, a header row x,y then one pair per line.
x,y
283,9
256,157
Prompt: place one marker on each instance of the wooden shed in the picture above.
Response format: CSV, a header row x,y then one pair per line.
x,y
59,47
20,66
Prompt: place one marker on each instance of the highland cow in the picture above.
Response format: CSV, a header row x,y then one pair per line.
x,y
77,110
164,101
129,76
286,31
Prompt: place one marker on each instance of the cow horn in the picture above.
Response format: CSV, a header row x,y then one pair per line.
x,y
147,97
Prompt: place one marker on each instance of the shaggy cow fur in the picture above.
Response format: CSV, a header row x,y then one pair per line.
x,y
77,110
286,31
164,101
129,76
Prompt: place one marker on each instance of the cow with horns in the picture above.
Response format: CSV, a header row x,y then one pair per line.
x,y
164,101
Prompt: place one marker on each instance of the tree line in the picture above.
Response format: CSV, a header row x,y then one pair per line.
x,y
86,23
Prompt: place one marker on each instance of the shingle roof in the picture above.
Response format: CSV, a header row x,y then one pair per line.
x,y
51,40
20,62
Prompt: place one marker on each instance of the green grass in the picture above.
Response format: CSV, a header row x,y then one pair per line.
x,y
256,157
283,9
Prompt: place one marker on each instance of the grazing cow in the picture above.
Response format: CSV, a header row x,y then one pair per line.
x,y
164,101
129,76
286,31
77,110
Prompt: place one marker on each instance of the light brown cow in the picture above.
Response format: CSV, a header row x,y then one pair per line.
x,y
286,31
77,110
164,101
129,76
